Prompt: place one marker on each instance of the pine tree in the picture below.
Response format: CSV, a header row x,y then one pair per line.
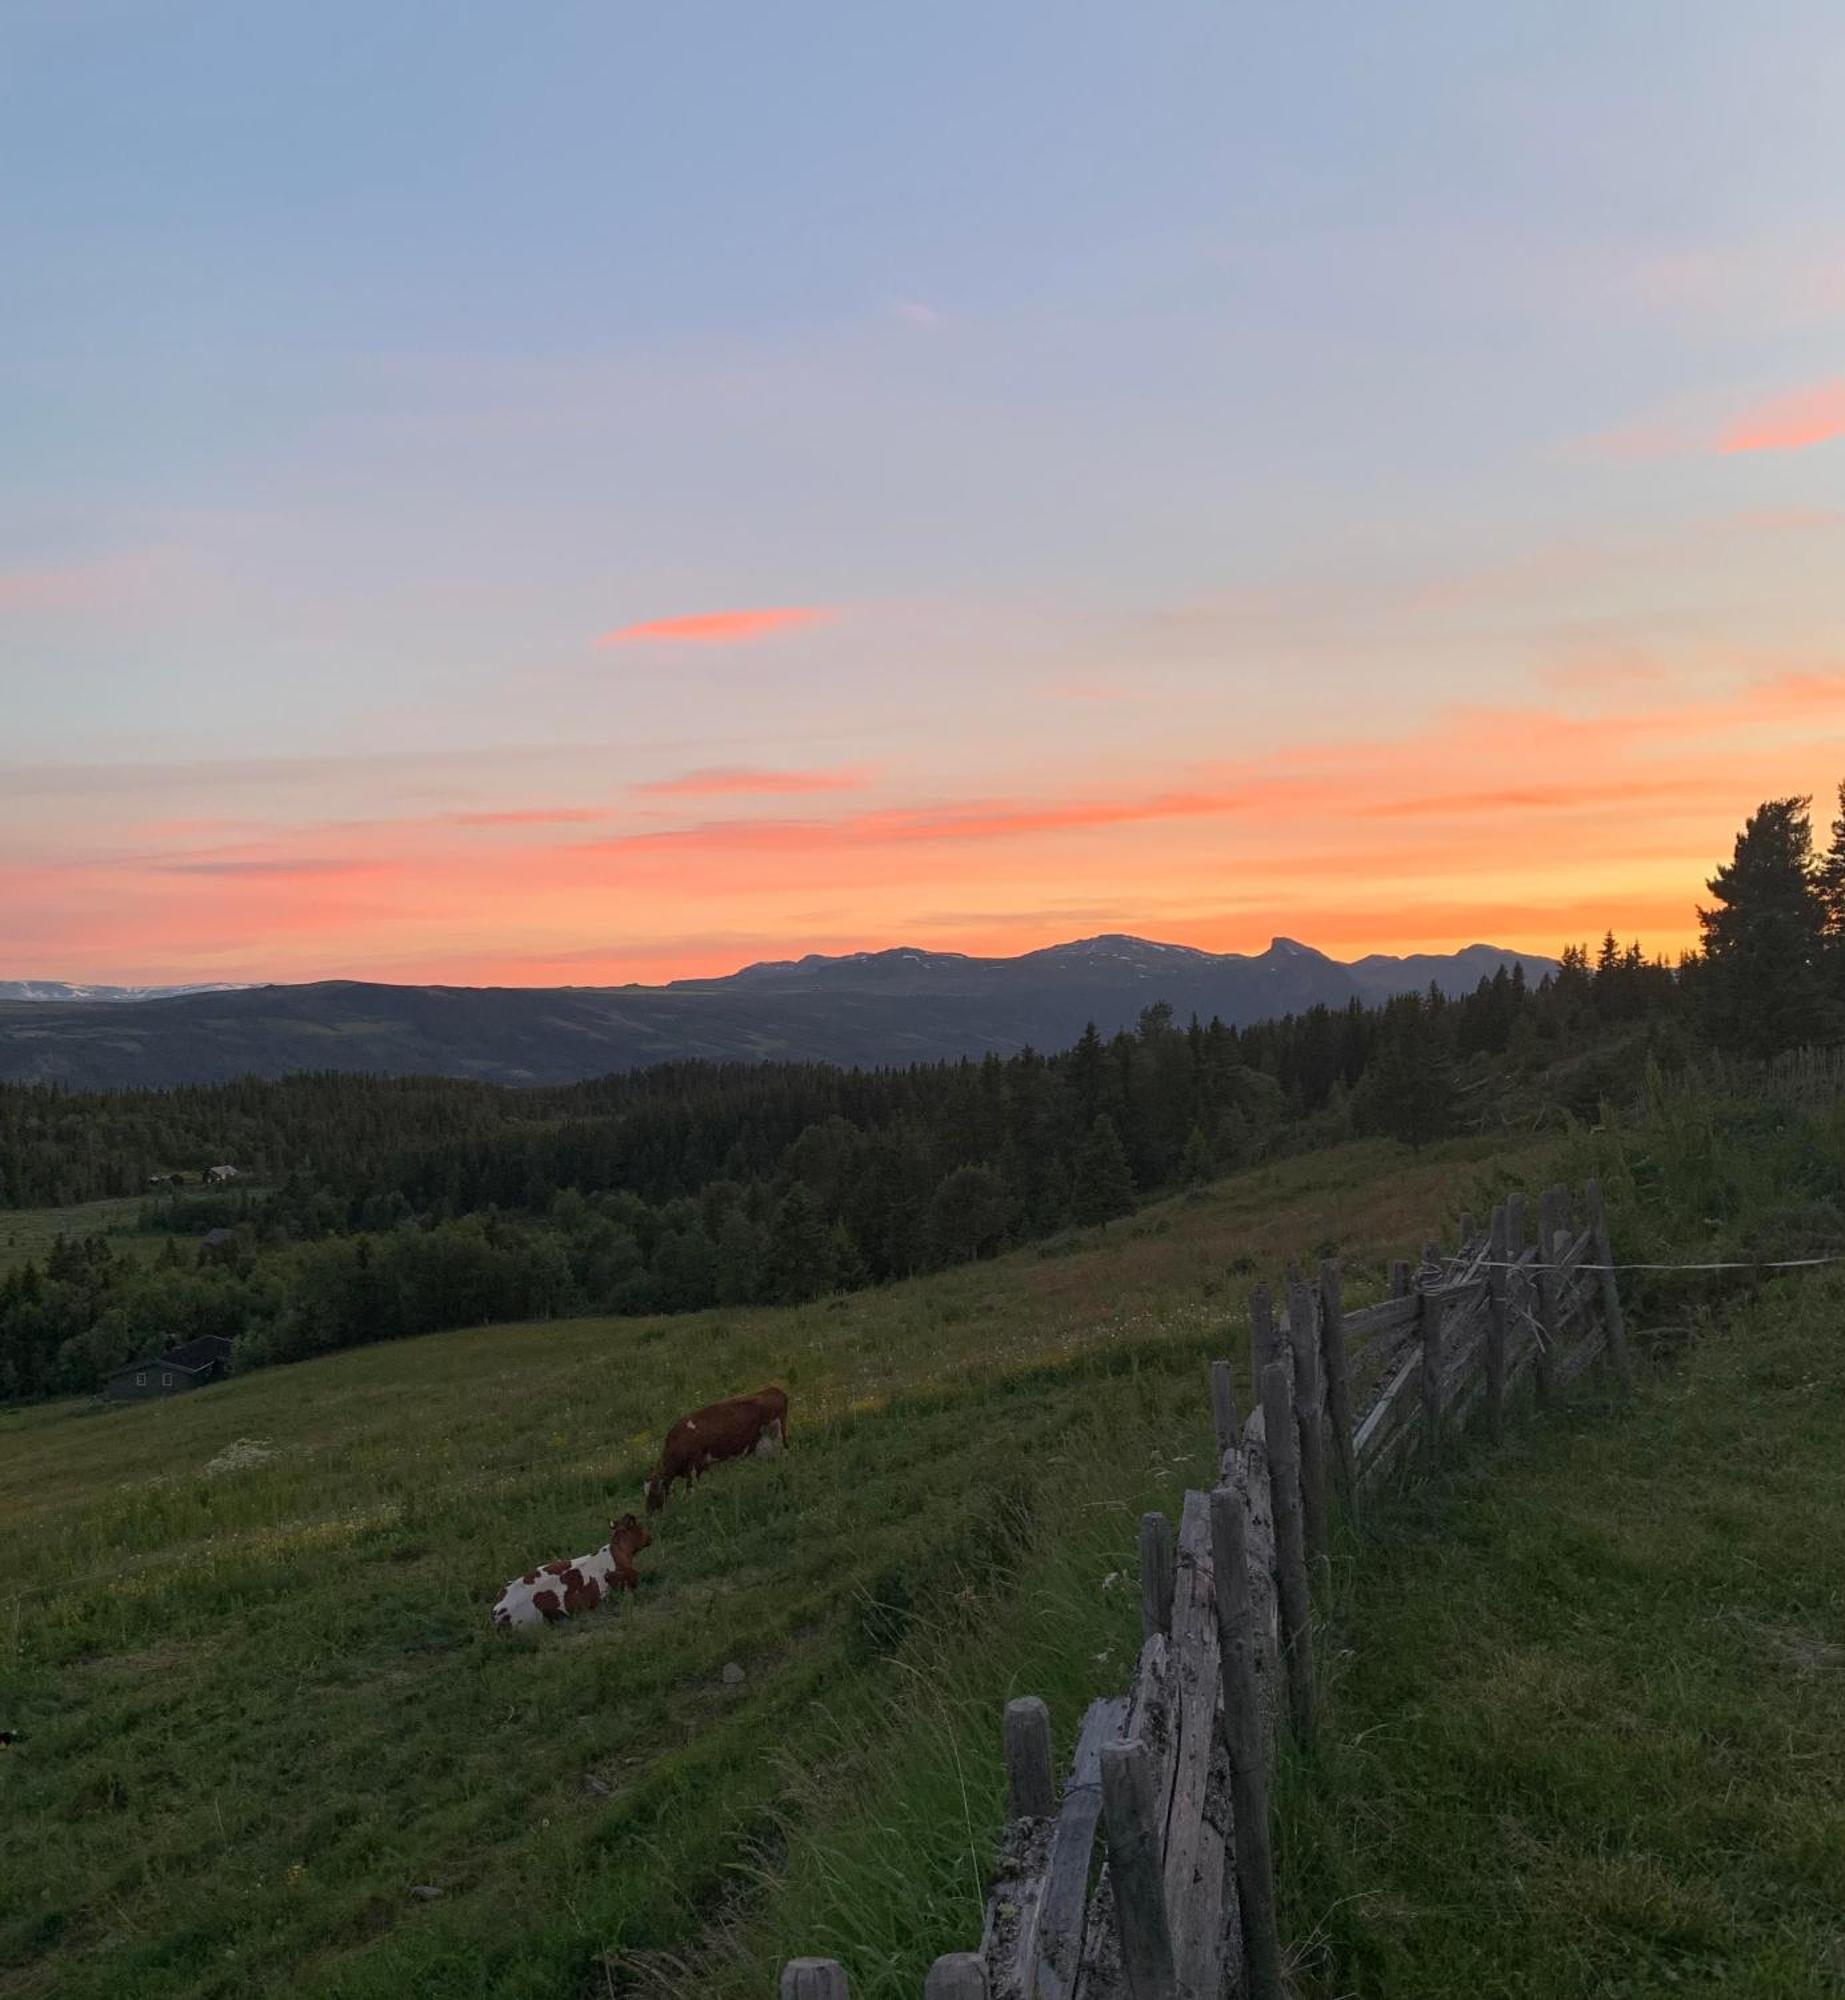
x,y
849,1269
1104,1188
1408,1092
799,1264
1830,880
1196,1166
1764,940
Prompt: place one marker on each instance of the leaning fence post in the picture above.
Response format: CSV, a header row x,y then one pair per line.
x,y
1550,1326
1290,1543
1338,1382
1242,1716
956,1975
1310,1416
814,1979
1158,1574
1264,1342
1603,1250
1136,1867
1223,1407
1030,1788
1429,1318
1399,1278
1497,1281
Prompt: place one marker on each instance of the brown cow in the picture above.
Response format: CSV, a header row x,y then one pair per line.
x,y
730,1429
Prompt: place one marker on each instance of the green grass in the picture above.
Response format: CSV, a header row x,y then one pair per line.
x,y
27,1234
262,1704
1586,1732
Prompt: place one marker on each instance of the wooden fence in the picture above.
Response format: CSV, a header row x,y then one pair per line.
x,y
1175,1774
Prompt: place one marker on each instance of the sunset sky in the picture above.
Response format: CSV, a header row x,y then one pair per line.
x,y
597,492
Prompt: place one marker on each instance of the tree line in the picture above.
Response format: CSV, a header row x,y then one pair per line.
x,y
396,1207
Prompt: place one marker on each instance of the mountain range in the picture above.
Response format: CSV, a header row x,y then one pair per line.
x,y
878,1007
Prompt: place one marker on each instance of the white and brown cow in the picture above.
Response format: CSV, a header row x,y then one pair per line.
x,y
559,1589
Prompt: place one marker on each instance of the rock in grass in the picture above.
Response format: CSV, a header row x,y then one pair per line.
x,y
733,1674
425,1892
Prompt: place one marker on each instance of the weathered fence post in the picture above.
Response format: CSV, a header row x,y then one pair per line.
x,y
956,1975
1338,1382
1242,1717
1429,1319
1030,1787
814,1979
1399,1278
1514,1225
1603,1251
1223,1407
1290,1543
1264,1341
1498,1280
1309,1416
1135,1867
1549,1320
1158,1574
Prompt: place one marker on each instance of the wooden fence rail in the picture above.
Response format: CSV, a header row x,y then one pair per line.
x,y
1176,1773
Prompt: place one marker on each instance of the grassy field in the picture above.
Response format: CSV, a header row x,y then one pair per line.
x,y
27,1234
262,1705
1587,1734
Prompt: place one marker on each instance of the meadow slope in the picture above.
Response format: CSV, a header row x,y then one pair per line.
x,y
261,1703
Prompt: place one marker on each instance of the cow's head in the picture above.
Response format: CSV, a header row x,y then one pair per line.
x,y
629,1536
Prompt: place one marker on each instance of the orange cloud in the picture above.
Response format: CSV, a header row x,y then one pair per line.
x,y
720,628
1789,423
726,779
1517,822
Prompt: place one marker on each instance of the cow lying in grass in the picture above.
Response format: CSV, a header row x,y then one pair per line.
x,y
542,1596
730,1429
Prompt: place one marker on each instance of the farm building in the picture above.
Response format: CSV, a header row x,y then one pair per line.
x,y
189,1367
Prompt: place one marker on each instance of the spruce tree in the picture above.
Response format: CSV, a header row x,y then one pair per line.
x,y
1196,1165
1764,938
799,1263
1104,1188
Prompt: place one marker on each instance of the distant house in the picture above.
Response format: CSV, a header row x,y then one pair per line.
x,y
189,1367
214,1175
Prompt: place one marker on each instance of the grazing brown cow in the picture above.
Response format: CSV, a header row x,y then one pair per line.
x,y
542,1596
730,1429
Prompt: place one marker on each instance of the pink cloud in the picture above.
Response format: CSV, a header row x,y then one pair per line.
x,y
1789,423
735,779
76,586
719,628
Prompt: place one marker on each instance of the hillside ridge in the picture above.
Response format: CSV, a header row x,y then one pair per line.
x,y
869,1009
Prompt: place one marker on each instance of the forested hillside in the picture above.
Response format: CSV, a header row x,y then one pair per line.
x,y
399,1207
394,1207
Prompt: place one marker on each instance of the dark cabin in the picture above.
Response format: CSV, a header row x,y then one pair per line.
x,y
189,1367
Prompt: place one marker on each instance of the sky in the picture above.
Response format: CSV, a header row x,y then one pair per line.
x,y
600,492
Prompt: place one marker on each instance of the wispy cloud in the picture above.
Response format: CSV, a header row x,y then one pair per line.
x,y
746,780
719,628
1792,422
80,585
530,816
1789,423
291,868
